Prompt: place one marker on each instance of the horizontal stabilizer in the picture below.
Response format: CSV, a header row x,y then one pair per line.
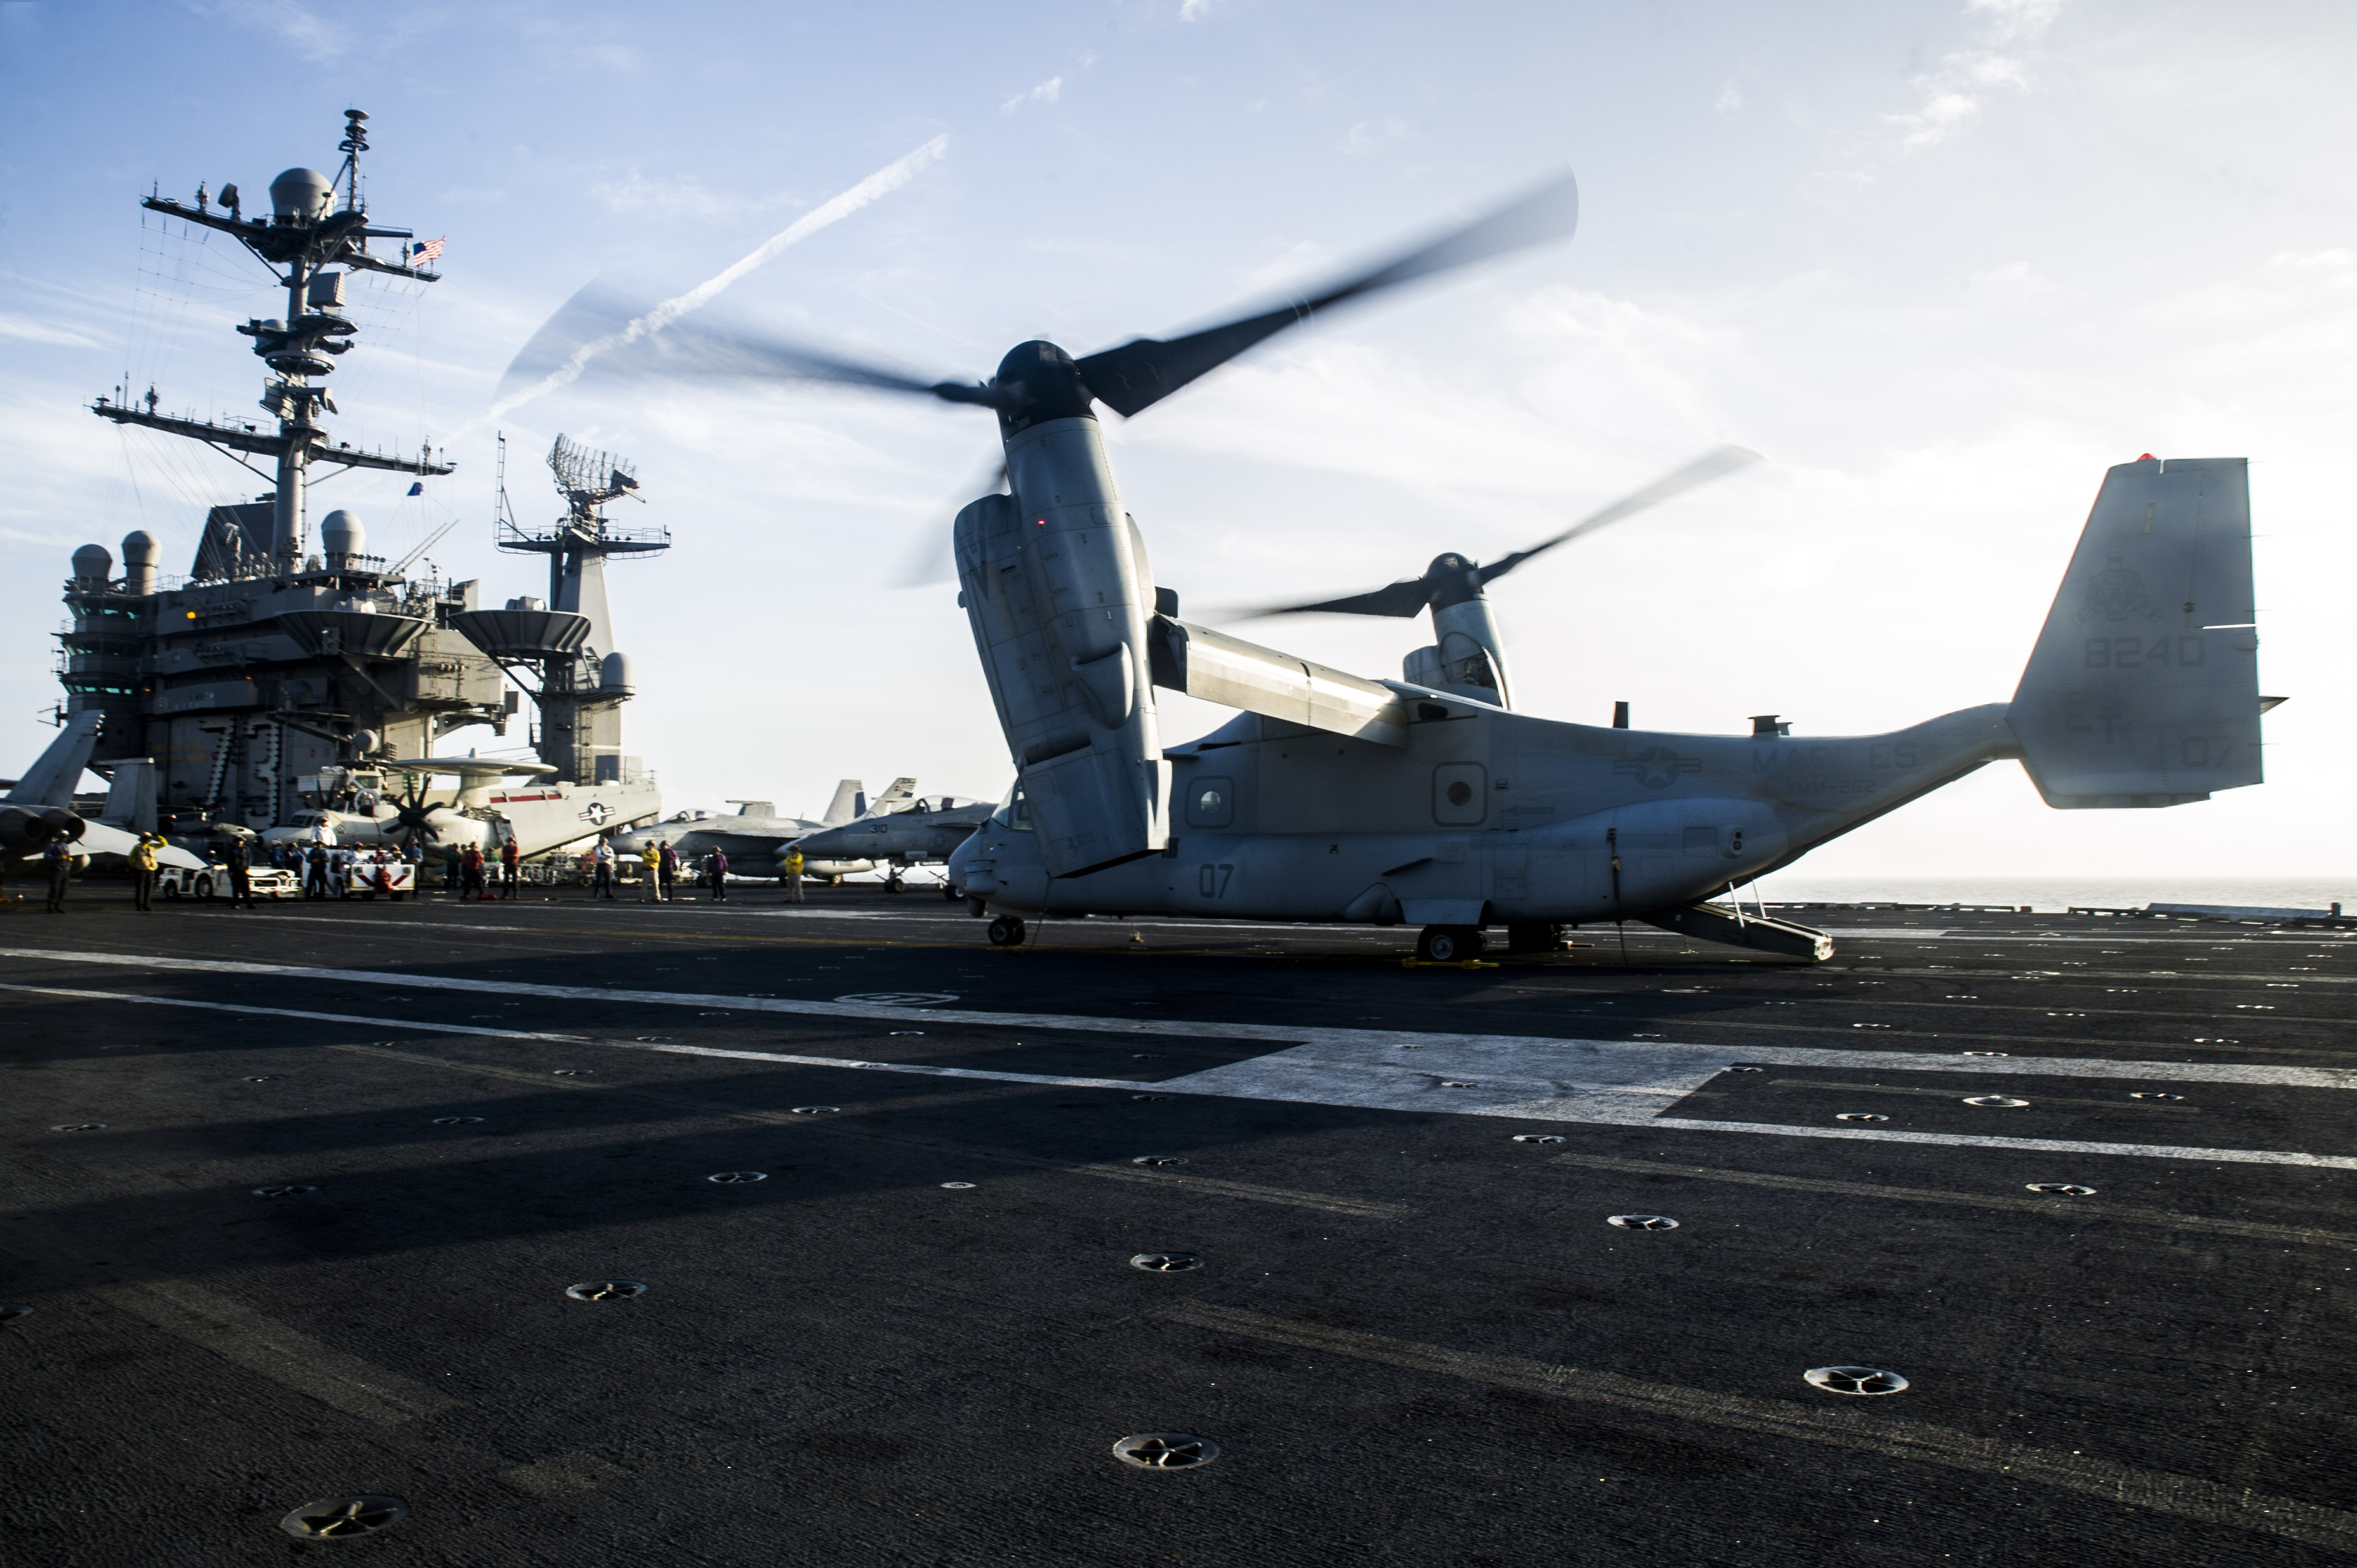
x,y
2144,688
1238,674
1717,923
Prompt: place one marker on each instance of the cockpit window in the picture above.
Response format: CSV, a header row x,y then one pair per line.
x,y
1014,812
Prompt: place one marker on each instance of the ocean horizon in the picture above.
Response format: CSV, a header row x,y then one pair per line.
x,y
2056,894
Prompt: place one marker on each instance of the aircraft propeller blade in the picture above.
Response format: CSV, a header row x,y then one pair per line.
x,y
1715,463
1404,597
1140,374
600,319
934,557
1410,594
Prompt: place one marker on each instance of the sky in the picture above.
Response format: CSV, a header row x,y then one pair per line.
x,y
1941,263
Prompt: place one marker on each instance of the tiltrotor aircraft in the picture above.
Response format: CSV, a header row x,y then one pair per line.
x,y
1427,800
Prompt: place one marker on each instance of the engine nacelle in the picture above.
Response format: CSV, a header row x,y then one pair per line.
x,y
1058,593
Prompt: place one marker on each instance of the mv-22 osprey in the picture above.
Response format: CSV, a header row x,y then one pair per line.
x,y
1428,800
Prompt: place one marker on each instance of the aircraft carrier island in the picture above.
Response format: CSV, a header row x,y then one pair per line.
x,y
849,1229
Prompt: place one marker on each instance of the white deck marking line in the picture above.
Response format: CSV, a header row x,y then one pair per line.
x,y
2074,1212
1527,1077
1879,1432
2050,1145
295,1013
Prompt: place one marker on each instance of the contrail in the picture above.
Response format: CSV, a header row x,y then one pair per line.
x,y
888,178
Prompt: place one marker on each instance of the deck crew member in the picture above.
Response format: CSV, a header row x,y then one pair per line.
x,y
142,871
240,861
59,860
793,866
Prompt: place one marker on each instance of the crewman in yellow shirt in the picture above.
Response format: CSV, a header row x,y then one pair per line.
x,y
143,870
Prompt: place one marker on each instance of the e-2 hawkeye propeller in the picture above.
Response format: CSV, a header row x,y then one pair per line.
x,y
1466,656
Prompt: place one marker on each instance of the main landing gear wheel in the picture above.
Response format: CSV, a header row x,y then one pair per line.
x,y
1007,931
1449,944
892,880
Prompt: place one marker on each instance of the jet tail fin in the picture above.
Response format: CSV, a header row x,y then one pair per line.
x,y
2143,689
902,789
51,779
131,796
850,800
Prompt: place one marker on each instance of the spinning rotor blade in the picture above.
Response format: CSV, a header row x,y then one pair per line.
x,y
1140,374
1410,594
599,320
1713,465
698,351
934,557
1404,597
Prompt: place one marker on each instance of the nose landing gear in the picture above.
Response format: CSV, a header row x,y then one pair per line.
x,y
1007,931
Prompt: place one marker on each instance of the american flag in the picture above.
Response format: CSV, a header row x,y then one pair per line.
x,y
426,250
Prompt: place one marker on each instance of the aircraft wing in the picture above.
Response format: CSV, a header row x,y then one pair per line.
x,y
97,838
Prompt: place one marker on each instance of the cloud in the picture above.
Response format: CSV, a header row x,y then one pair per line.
x,y
1730,102
308,35
883,182
2012,20
34,332
1194,10
1369,134
638,196
1047,92
1951,96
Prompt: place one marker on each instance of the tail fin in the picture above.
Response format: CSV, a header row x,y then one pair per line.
x,y
2143,690
850,800
903,790
51,779
131,796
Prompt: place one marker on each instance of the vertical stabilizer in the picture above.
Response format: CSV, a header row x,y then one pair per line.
x,y
131,796
2143,690
845,804
50,780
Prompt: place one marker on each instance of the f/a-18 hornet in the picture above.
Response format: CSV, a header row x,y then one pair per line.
x,y
38,807
1428,799
755,834
921,831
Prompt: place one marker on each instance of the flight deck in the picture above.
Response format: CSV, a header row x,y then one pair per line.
x,y
551,1231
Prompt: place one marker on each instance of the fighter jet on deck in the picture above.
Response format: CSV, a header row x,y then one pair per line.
x,y
927,830
755,836
38,807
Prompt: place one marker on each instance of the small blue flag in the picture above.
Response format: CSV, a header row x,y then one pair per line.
x,y
418,489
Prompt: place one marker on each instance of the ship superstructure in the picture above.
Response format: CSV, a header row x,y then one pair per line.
x,y
561,648
290,660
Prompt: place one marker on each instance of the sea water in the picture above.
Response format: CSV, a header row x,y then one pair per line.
x,y
2055,894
